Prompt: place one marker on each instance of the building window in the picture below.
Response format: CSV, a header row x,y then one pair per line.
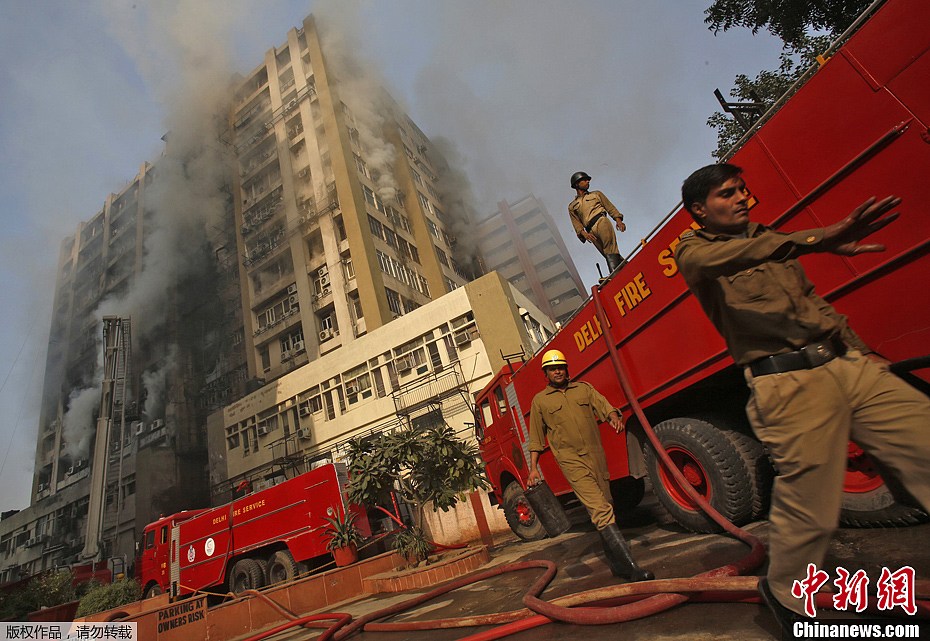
x,y
348,270
393,300
265,358
377,229
441,255
425,203
433,229
416,177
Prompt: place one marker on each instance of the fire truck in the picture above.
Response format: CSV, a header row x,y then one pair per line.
x,y
255,540
856,127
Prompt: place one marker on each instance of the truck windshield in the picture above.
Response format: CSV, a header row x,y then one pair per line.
x,y
149,539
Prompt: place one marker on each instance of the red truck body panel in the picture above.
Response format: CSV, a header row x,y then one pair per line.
x,y
206,542
859,124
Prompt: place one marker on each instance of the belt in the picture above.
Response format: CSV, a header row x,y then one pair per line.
x,y
808,357
593,222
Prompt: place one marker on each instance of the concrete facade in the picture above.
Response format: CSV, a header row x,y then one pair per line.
x,y
425,366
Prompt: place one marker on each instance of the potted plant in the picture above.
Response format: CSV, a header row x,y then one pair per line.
x,y
344,537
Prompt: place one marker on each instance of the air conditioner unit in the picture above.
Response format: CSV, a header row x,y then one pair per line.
x,y
304,410
304,432
298,346
285,354
292,289
42,487
324,280
462,338
262,430
326,334
303,173
138,427
293,300
352,389
157,424
403,364
71,470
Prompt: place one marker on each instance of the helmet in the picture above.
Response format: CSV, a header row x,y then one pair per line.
x,y
553,357
578,176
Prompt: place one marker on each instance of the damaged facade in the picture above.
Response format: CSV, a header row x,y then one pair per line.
x,y
309,214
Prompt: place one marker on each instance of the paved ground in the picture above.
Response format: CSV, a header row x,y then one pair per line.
x,y
662,547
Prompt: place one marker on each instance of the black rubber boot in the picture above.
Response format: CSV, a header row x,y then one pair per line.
x,y
786,618
614,262
619,557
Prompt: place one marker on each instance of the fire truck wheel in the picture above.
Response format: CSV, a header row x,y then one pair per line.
x,y
152,590
713,466
520,516
246,574
879,506
627,492
282,567
761,472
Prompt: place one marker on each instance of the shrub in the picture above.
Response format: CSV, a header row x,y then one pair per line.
x,y
106,597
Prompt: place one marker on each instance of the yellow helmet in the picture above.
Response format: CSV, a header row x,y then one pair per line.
x,y
553,357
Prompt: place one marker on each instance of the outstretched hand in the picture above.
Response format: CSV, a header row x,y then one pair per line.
x,y
843,237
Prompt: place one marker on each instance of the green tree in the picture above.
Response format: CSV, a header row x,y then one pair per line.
x,y
788,20
791,21
44,591
424,465
107,597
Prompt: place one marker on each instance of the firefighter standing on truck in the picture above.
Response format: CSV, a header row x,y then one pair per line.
x,y
564,412
591,213
815,384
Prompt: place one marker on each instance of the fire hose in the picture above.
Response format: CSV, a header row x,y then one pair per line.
x,y
612,604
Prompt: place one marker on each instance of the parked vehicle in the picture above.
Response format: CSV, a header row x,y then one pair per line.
x,y
857,127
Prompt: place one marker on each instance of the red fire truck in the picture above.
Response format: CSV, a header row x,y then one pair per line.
x,y
256,540
857,127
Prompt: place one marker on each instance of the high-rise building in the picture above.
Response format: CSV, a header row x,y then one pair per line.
x,y
321,218
339,201
520,240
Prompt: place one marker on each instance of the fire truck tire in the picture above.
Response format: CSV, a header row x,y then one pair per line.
x,y
627,492
520,516
153,589
878,508
282,567
761,472
712,464
246,574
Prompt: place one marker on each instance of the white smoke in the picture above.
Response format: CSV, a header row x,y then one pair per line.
x,y
361,88
78,424
155,383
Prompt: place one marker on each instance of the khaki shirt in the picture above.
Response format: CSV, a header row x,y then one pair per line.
x,y
756,293
567,418
587,206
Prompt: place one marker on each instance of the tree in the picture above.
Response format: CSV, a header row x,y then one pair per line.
x,y
766,88
424,465
790,21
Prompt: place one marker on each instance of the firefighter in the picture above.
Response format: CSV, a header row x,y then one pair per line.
x,y
565,413
815,384
591,213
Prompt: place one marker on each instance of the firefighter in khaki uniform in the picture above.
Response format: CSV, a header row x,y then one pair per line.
x,y
591,213
815,384
565,413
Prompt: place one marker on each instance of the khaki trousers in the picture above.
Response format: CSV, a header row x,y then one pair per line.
x,y
603,230
591,486
806,419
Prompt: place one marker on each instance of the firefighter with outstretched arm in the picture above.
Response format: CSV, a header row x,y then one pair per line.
x,y
815,384
564,412
591,214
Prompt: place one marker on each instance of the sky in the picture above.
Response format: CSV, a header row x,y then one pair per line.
x,y
523,93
